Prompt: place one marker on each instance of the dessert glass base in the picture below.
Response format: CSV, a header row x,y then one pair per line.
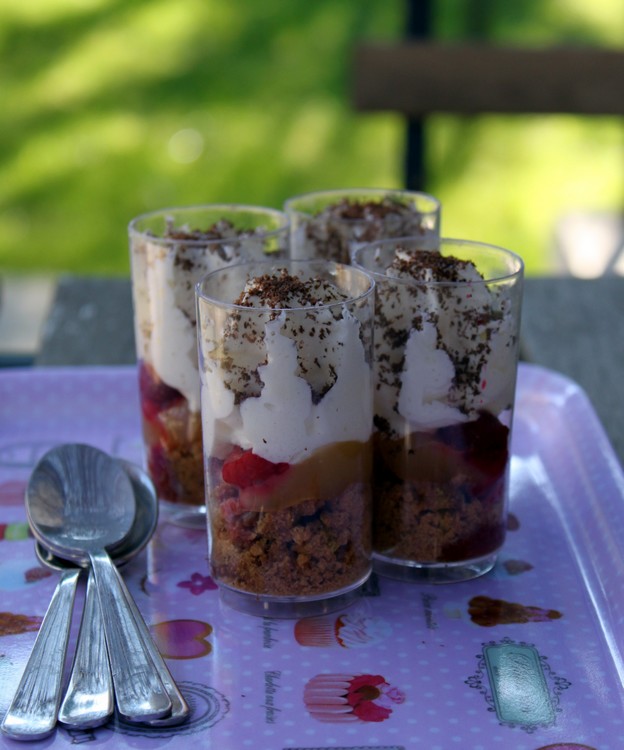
x,y
291,607
454,572
180,514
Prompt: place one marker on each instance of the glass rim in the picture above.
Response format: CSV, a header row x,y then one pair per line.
x,y
284,263
451,241
289,204
241,208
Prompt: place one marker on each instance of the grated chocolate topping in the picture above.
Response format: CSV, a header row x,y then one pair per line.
x,y
285,291
366,210
311,329
429,265
333,229
223,229
467,315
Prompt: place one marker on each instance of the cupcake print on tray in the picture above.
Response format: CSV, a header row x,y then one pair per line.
x,y
344,698
349,630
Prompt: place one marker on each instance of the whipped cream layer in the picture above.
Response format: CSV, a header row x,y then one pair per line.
x,y
164,276
290,381
443,351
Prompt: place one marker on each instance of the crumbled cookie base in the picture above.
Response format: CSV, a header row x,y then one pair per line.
x,y
430,522
313,548
175,457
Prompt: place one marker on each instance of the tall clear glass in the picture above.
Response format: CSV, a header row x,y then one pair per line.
x,y
330,224
446,354
170,251
287,412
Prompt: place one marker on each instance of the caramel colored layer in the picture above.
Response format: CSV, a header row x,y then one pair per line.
x,y
324,475
477,455
421,458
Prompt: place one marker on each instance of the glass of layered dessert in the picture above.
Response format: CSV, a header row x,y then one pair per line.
x,y
330,224
171,250
286,397
446,353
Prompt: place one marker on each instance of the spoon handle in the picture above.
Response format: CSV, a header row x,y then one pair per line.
x,y
88,700
32,713
139,692
179,707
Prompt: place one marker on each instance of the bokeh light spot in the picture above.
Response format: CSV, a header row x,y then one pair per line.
x,y
186,146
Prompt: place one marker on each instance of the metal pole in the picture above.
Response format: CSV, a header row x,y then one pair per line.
x,y
418,26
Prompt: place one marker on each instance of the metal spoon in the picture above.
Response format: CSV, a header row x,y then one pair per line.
x,y
79,500
76,699
93,699
89,699
32,713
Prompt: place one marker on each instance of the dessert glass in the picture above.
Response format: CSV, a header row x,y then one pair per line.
x,y
287,412
446,354
330,224
170,251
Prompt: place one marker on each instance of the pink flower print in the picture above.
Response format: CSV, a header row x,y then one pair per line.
x,y
395,694
198,584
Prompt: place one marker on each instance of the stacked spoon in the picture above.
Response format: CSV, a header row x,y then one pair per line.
x,y
81,503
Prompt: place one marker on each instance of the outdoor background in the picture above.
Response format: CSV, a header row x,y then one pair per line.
x,y
109,108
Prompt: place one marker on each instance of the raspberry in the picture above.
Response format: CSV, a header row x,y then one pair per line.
x,y
162,474
156,396
244,469
483,442
488,440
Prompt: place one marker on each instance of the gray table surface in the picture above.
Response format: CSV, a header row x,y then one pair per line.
x,y
90,323
574,326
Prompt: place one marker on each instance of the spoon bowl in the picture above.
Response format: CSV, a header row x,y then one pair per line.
x,y
79,500
143,528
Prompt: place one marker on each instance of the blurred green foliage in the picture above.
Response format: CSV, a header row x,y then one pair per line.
x,y
109,108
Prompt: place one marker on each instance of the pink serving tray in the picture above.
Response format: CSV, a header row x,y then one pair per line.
x,y
527,657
